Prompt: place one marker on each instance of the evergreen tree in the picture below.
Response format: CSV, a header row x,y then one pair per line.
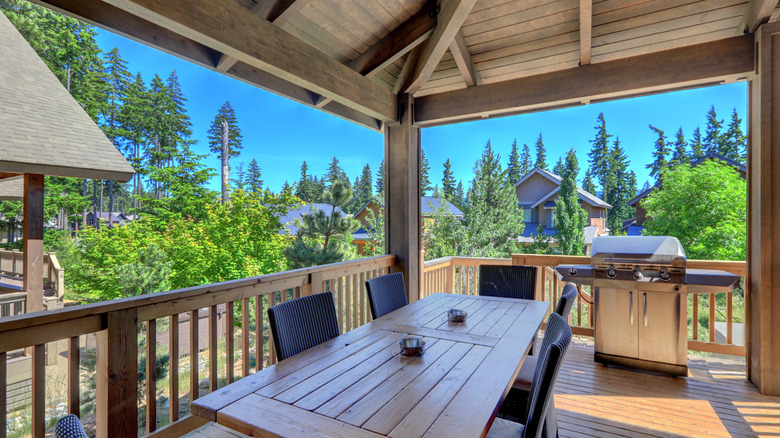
x,y
117,80
712,135
254,181
513,168
587,182
336,173
239,180
323,237
492,216
380,180
624,189
599,156
646,186
286,188
526,165
541,154
734,141
134,119
659,155
448,181
362,189
558,168
697,146
425,168
570,218
307,187
459,196
225,115
679,154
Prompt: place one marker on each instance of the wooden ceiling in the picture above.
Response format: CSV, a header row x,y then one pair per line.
x,y
351,57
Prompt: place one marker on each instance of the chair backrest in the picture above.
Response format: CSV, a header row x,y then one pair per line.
x,y
557,337
566,301
386,293
69,426
302,323
507,281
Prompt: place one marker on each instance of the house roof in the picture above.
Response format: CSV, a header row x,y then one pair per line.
x,y
11,188
708,156
588,197
288,220
428,205
43,129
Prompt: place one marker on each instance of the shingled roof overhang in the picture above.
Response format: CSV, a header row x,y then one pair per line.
x,y
43,130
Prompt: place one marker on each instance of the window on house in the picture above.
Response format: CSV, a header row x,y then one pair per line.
x,y
526,215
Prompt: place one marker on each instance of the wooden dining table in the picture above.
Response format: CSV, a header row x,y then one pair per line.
x,y
359,385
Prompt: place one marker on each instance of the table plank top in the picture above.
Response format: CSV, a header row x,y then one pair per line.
x,y
358,385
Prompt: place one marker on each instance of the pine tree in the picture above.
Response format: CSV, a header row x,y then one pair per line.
x,y
286,188
646,186
459,196
679,154
599,156
587,182
558,168
448,181
659,155
117,80
541,154
225,118
425,169
734,141
336,173
570,218
712,135
513,168
622,191
134,119
239,179
697,146
254,181
307,187
526,164
364,190
380,180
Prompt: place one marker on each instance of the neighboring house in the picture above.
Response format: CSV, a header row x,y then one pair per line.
x,y
288,220
117,218
634,227
537,193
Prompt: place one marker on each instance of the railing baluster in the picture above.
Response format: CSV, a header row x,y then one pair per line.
x,y
356,301
151,376
271,349
695,318
74,356
362,301
357,285
712,317
117,375
729,318
475,289
229,342
194,353
259,338
213,353
460,279
173,381
245,337
340,299
39,391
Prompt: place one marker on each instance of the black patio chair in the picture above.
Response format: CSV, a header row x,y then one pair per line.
x,y
302,323
507,281
386,293
69,426
539,419
526,373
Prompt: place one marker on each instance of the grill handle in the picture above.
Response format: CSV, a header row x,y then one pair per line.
x,y
644,310
631,307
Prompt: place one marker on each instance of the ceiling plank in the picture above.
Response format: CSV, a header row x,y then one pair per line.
x,y
451,17
757,13
686,67
225,26
116,20
462,55
586,30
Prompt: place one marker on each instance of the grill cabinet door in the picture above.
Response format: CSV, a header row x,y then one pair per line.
x,y
616,322
659,327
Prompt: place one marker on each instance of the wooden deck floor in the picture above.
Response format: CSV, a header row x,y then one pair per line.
x,y
715,400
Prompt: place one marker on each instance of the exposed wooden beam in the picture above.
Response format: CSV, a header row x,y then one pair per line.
x,y
116,20
225,26
462,55
586,29
451,16
32,219
406,70
757,13
225,63
686,67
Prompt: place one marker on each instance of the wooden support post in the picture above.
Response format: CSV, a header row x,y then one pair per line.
x,y
402,195
117,375
33,241
763,260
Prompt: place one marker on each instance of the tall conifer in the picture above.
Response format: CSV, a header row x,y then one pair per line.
x,y
541,154
679,153
712,134
448,181
570,218
254,181
599,155
697,145
425,169
734,141
660,154
526,165
513,168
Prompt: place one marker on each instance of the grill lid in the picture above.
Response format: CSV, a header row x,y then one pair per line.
x,y
646,250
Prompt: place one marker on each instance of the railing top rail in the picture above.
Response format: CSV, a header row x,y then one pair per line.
x,y
285,280
549,260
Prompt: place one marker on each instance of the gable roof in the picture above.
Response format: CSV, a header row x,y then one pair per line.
x,y
428,204
586,196
708,156
42,127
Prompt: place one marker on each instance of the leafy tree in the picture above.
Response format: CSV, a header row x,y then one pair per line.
x,y
149,274
226,117
254,180
375,239
541,154
734,141
493,219
570,218
445,235
526,164
542,243
712,135
322,237
599,156
659,155
679,154
697,145
513,168
587,182
448,181
425,169
705,207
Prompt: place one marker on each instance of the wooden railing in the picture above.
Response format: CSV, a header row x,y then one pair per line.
x,y
141,327
459,275
11,264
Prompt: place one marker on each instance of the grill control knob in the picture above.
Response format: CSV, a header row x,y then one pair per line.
x,y
573,271
665,276
611,272
638,273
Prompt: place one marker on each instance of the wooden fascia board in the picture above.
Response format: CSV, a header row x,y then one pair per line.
x,y
452,14
70,172
686,67
586,30
462,56
225,26
756,13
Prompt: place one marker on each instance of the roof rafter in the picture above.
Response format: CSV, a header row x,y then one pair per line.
x,y
586,30
451,17
756,14
462,55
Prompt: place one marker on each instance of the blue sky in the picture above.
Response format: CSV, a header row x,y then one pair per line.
x,y
280,134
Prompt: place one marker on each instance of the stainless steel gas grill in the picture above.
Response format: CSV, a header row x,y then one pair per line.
x,y
640,286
